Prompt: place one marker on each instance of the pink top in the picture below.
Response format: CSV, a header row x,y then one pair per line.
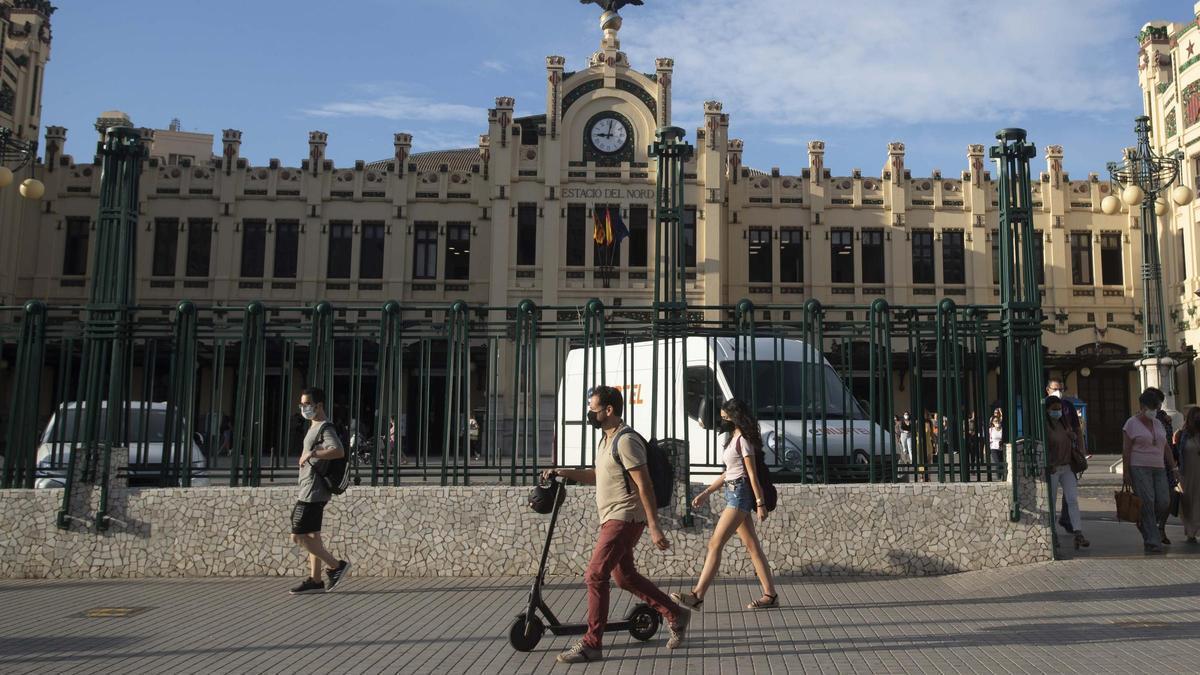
x,y
735,467
1148,448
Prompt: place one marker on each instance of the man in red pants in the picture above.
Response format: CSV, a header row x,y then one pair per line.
x,y
625,499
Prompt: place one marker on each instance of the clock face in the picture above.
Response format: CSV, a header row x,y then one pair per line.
x,y
608,134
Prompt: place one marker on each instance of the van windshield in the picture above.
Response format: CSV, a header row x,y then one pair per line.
x,y
67,424
799,382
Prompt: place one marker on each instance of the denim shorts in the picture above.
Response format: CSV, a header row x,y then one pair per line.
x,y
739,494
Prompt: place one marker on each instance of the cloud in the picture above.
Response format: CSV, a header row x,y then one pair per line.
x,y
497,66
392,106
881,62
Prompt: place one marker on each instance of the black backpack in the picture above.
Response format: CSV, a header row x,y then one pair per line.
x,y
662,474
336,475
770,496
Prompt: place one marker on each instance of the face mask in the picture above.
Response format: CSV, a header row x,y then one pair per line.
x,y
906,418
726,426
1055,414
308,412
592,419
1057,393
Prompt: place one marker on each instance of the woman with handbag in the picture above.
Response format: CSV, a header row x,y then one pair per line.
x,y
744,496
1189,469
1064,457
1146,459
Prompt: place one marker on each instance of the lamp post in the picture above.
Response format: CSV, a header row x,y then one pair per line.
x,y
14,155
1141,178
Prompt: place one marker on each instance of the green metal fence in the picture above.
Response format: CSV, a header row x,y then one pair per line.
x,y
213,390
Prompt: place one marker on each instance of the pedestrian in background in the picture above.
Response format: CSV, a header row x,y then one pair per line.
x,y
1061,443
1146,459
1188,449
996,438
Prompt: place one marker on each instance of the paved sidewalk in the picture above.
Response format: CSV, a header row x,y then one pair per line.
x,y
1085,616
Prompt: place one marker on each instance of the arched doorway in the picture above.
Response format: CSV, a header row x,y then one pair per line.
x,y
1106,392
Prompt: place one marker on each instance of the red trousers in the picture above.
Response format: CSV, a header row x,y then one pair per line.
x,y
613,557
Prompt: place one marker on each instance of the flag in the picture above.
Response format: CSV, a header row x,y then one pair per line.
x,y
619,231
597,227
608,230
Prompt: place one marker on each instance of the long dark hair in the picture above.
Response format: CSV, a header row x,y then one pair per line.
x,y
744,421
1191,421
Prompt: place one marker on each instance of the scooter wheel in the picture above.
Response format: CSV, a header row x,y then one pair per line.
x,y
644,622
524,636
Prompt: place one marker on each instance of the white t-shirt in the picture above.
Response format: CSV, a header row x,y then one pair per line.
x,y
995,437
735,466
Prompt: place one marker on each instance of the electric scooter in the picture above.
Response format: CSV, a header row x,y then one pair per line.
x,y
527,629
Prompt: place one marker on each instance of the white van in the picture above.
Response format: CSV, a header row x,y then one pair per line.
x,y
145,432
803,432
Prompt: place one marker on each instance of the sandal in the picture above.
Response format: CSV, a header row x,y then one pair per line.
x,y
688,600
764,603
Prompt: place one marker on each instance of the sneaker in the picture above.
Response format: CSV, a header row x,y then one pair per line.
x,y
688,600
309,585
578,653
678,628
336,576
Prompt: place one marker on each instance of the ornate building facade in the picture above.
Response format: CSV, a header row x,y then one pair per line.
x,y
511,218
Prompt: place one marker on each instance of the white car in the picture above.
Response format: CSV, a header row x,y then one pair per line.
x,y
145,428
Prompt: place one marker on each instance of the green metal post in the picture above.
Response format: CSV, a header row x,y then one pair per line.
x,y
105,369
1020,300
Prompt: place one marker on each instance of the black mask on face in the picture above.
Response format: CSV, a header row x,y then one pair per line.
x,y
726,426
592,419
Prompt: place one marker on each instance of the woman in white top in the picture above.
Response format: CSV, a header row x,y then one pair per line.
x,y
743,497
996,440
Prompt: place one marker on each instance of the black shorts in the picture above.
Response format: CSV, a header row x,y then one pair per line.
x,y
306,517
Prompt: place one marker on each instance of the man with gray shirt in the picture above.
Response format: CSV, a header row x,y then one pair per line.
x,y
321,444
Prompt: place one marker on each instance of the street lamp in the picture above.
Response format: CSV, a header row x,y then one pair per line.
x,y
1141,178
14,155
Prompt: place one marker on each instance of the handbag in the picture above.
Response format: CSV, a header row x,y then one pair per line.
x,y
1129,505
1079,462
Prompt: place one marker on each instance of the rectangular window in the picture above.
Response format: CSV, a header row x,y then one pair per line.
x,y
689,236
166,241
458,250
923,267
1081,258
425,251
370,255
254,248
872,256
841,256
995,256
33,95
602,255
1039,258
1179,244
75,254
577,235
287,245
199,247
527,234
1111,273
761,270
791,256
529,134
638,239
341,243
954,269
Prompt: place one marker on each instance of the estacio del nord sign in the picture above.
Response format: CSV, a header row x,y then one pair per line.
x,y
633,194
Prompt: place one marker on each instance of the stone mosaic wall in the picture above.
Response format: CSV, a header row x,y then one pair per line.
x,y
922,528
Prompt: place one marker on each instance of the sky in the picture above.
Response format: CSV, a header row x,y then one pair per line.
x,y
934,74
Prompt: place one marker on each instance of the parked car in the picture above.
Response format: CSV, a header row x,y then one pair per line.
x,y
145,431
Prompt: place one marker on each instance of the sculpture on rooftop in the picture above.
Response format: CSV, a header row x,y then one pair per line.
x,y
611,5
